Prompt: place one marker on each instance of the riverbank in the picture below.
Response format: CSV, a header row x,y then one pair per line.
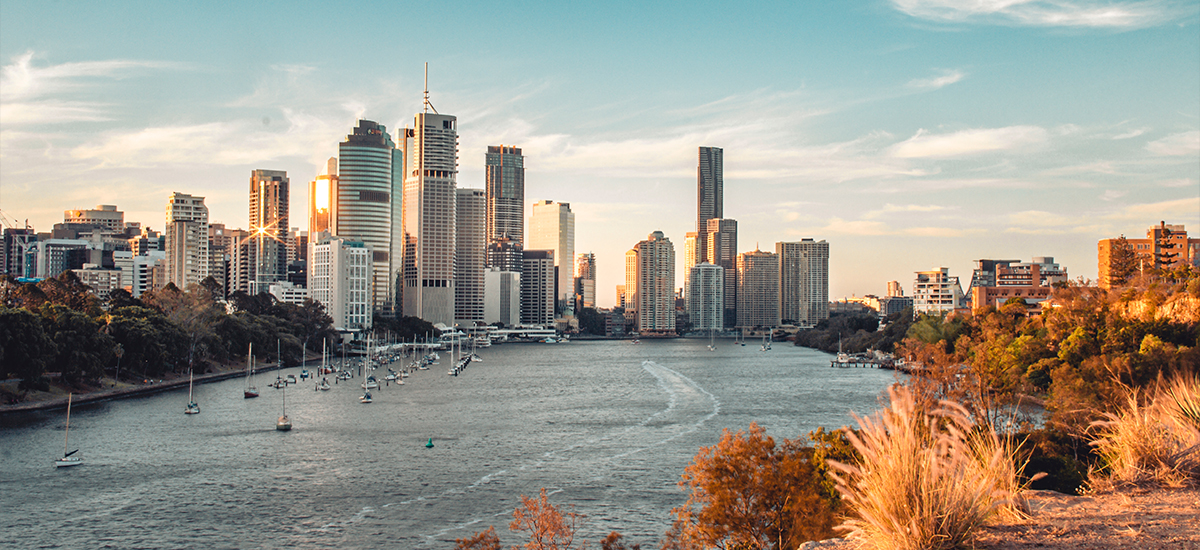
x,y
57,397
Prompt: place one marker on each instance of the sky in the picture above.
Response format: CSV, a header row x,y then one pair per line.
x,y
908,134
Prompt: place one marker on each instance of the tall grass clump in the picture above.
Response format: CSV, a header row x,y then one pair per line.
x,y
1152,440
926,480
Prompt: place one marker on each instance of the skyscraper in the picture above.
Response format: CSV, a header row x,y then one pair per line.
x,y
585,280
430,179
537,287
363,205
706,297
322,197
710,193
804,281
654,284
187,240
339,277
758,289
268,227
552,227
470,256
722,251
690,241
505,193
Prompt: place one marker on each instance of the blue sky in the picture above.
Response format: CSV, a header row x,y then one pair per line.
x,y
909,134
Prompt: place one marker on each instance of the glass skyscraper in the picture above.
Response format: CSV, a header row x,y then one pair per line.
x,y
364,204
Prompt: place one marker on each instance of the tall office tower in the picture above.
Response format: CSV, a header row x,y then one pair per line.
x,y
187,240
585,280
269,227
105,215
502,296
220,249
505,194
804,281
690,241
758,289
628,292
552,227
710,193
722,250
363,205
322,199
430,174
505,254
655,284
621,296
470,255
339,277
706,297
537,287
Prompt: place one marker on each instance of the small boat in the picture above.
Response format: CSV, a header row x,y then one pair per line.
x,y
304,374
250,390
192,406
68,458
291,379
366,397
284,423
370,384
324,385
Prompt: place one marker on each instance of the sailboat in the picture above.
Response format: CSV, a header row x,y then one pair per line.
x,y
251,390
711,343
366,397
284,423
192,407
67,458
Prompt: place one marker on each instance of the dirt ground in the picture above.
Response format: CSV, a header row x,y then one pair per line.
x,y
1140,519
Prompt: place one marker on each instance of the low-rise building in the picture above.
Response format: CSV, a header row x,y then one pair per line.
x,y
936,292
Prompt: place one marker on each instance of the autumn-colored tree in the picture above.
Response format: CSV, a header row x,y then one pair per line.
x,y
548,527
613,542
747,492
483,540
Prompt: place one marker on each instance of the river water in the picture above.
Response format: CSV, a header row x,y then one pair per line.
x,y
605,426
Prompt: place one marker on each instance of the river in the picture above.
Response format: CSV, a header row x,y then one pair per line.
x,y
605,426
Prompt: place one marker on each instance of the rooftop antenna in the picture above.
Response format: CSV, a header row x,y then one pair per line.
x,y
428,105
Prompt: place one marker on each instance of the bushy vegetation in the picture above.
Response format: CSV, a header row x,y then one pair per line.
x,y
1154,438
58,326
857,333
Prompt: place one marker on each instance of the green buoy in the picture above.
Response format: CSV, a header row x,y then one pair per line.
x,y
429,445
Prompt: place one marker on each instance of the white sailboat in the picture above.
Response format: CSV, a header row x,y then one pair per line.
x,y
68,458
711,342
251,390
284,423
192,406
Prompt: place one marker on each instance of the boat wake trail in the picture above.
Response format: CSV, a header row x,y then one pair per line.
x,y
675,385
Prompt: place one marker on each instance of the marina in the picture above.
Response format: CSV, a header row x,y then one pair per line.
x,y
605,426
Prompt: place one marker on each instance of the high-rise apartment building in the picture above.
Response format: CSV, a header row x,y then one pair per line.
x,y
653,284
706,297
722,245
537,287
339,277
187,240
936,292
710,196
894,289
269,227
505,177
470,256
365,205
322,199
803,281
430,179
758,289
552,227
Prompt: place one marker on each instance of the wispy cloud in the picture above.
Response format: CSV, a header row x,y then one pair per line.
x,y
1184,143
1129,14
890,208
1130,134
969,142
947,78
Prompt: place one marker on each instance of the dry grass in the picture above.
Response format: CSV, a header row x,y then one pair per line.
x,y
1156,441
926,481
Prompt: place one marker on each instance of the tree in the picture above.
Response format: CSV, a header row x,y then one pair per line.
x,y
83,350
1123,262
746,492
548,528
483,540
591,321
25,348
67,290
613,542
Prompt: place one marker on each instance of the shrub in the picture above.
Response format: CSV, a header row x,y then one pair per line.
x,y
925,480
1156,441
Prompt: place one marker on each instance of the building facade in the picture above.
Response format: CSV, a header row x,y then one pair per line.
x,y
340,275
552,227
706,297
1166,246
537,287
585,280
430,180
722,245
935,292
653,284
365,204
803,282
505,177
758,289
470,255
269,227
187,240
322,199
502,296
105,216
710,197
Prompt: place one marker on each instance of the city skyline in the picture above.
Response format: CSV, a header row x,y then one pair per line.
x,y
909,135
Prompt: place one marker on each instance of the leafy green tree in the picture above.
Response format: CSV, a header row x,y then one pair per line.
x,y
25,348
591,321
1123,262
68,291
83,350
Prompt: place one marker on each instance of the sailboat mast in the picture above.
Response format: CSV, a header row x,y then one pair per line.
x,y
67,432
